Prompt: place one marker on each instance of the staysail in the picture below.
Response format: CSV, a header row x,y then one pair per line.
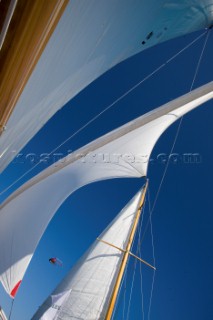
x,y
123,152
86,291
90,38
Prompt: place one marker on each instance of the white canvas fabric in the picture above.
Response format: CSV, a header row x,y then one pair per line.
x,y
91,281
90,38
57,300
123,152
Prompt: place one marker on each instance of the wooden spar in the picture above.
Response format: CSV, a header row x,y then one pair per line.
x,y
131,254
141,260
32,25
125,257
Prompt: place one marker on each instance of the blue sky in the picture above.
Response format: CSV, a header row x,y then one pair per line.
x,y
182,219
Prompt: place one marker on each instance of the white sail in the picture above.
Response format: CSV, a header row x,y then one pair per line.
x,y
90,38
2,314
123,152
85,291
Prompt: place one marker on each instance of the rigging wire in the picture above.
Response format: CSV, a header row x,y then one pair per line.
x,y
126,269
124,298
135,262
131,290
11,309
122,281
138,249
106,109
132,285
176,135
125,277
200,59
118,300
153,254
141,275
164,174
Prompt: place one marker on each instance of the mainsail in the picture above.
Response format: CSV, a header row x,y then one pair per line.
x,y
90,38
86,291
123,152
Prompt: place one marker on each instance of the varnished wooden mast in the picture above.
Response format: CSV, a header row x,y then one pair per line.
x,y
125,257
32,25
